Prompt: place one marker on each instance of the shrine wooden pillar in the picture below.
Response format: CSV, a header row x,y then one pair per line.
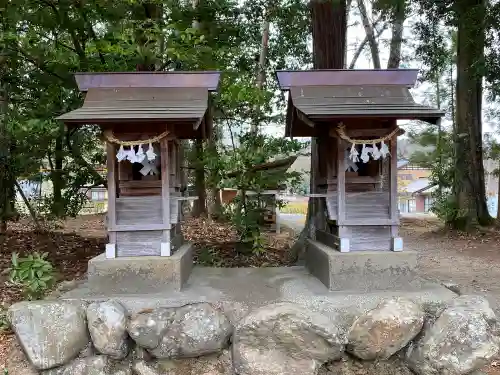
x,y
396,241
112,192
165,198
343,236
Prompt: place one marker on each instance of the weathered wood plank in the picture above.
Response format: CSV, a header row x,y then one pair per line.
x,y
138,236
368,222
132,249
141,184
370,238
139,226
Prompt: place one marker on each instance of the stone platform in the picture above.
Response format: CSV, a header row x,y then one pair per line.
x,y
148,274
240,290
361,270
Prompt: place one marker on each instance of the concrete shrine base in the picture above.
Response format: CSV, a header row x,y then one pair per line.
x,y
361,270
238,291
150,274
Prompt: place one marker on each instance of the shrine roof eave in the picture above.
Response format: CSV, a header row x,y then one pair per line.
x,y
431,117
343,77
175,79
74,122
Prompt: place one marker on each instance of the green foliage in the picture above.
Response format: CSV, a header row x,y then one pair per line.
x,y
243,168
34,274
4,320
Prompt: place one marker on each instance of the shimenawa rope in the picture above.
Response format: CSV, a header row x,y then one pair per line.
x,y
341,132
111,138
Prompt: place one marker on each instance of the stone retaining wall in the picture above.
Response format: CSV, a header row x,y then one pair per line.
x,y
396,337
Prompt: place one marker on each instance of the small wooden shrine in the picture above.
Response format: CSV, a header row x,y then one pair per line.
x,y
143,116
353,116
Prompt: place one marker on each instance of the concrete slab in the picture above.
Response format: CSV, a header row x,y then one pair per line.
x,y
151,274
361,270
239,290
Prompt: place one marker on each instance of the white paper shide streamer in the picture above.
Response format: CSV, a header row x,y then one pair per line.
x,y
145,158
372,151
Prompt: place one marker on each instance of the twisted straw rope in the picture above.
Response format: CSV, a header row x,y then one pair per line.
x,y
341,132
111,138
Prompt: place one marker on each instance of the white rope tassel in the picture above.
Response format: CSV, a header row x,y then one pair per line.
x,y
150,153
375,152
354,154
364,154
384,150
121,155
140,155
131,154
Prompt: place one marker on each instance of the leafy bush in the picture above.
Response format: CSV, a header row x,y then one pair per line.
x,y
34,274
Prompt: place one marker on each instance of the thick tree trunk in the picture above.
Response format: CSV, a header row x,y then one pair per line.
x,y
370,34
329,28
469,187
398,18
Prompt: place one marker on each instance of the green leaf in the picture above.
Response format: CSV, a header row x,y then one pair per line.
x,y
14,259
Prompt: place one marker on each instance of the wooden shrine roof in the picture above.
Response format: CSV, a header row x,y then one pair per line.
x,y
105,105
321,96
143,97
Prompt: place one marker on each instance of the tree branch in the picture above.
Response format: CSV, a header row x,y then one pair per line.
x,y
62,19
361,47
28,205
91,31
40,65
79,159
370,34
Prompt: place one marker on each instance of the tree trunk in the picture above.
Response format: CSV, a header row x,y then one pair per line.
x,y
370,34
329,28
261,69
7,192
214,204
469,187
200,205
58,209
398,18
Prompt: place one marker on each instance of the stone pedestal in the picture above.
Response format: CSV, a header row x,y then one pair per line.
x,y
136,274
361,270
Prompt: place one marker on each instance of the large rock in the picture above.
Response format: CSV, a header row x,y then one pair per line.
x,y
97,365
383,331
461,340
348,366
143,368
215,364
285,338
51,333
187,331
107,322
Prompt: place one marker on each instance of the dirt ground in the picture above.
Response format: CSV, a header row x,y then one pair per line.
x,y
470,261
